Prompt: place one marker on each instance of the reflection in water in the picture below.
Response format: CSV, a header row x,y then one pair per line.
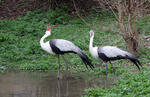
x,y
35,84
59,89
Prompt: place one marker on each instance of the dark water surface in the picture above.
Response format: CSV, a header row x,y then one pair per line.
x,y
37,84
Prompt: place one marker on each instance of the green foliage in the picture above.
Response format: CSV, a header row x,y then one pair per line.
x,y
20,38
20,48
130,85
57,16
101,14
145,55
142,22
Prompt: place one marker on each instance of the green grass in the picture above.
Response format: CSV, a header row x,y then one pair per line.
x,y
128,85
20,38
20,48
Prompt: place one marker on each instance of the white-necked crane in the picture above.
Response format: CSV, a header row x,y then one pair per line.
x,y
110,53
60,47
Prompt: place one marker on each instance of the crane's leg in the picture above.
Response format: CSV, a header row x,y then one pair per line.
x,y
101,63
58,75
67,88
58,88
66,64
114,70
106,69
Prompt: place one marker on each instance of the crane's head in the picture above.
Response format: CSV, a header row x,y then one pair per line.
x,y
48,31
91,33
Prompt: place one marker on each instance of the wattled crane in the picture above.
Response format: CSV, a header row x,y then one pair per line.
x,y
59,47
110,53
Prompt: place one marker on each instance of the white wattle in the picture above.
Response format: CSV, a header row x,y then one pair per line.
x,y
46,46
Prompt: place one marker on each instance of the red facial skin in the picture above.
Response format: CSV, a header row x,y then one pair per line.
x,y
48,29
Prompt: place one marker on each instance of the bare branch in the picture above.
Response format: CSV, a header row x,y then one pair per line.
x,y
121,20
112,10
128,10
80,16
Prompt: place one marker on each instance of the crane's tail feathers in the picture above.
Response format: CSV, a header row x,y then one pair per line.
x,y
85,59
135,61
139,63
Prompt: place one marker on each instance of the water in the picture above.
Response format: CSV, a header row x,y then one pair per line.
x,y
37,84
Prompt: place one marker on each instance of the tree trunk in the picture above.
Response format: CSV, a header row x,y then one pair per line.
x,y
128,31
132,41
132,45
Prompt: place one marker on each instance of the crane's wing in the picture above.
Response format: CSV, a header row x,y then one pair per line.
x,y
63,45
108,53
112,51
60,46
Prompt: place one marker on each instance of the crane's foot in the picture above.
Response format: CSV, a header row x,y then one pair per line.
x,y
106,73
106,70
58,77
114,70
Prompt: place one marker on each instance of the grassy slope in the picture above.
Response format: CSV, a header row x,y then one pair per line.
x,y
129,85
20,38
20,46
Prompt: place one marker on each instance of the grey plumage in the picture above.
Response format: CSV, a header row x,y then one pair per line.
x,y
61,46
64,45
109,53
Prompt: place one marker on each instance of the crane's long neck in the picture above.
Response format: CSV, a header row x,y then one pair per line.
x,y
42,40
93,50
91,42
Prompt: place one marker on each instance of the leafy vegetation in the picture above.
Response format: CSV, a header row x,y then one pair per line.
x,y
20,38
20,48
129,85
